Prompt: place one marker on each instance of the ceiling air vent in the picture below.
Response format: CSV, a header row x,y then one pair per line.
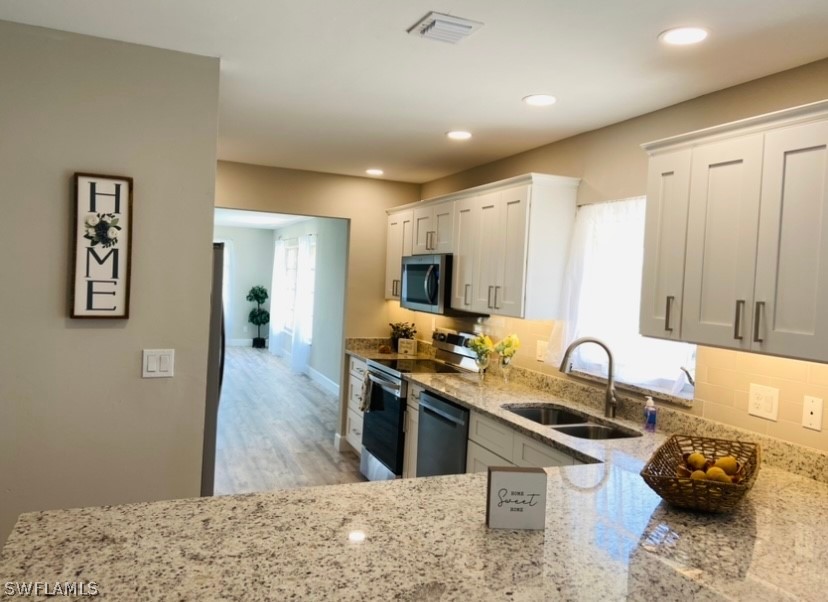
x,y
444,28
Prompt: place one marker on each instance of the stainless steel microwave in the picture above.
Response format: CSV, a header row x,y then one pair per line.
x,y
426,283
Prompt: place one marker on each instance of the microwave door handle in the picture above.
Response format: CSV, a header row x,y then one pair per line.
x,y
427,283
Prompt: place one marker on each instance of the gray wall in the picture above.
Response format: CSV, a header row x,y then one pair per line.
x,y
251,265
78,425
329,300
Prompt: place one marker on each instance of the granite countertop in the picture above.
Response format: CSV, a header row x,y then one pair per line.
x,y
607,536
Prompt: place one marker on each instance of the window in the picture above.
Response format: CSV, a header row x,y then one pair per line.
x,y
603,294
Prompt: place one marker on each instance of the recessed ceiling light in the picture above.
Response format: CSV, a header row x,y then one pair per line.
x,y
459,135
540,100
374,172
683,36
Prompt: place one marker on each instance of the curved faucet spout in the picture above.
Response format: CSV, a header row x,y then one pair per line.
x,y
611,403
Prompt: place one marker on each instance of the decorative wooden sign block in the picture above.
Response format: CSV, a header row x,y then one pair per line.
x,y
516,498
407,346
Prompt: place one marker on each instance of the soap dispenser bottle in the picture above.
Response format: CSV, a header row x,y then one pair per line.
x,y
650,415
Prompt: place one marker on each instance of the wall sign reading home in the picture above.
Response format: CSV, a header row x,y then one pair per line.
x,y
103,241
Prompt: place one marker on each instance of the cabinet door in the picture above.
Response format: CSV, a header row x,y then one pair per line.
x,y
442,221
665,235
528,452
412,426
511,237
422,231
465,252
487,252
722,229
353,431
398,243
355,394
478,459
791,292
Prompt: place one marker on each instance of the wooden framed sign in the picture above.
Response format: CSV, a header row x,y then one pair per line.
x,y
516,498
407,346
103,244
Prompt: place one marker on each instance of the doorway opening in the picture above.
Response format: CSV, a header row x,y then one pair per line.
x,y
279,404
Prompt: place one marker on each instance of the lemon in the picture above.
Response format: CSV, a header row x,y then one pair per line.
x,y
698,475
696,460
728,464
714,473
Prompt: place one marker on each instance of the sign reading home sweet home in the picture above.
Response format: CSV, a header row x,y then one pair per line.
x,y
103,242
516,498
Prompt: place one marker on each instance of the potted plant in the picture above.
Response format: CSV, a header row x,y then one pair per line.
x,y
401,330
258,316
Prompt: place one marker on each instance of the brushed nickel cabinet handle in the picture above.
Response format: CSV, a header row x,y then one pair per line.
x,y
489,298
737,322
667,311
758,308
496,306
466,294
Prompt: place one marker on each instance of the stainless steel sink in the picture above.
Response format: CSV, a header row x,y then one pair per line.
x,y
548,414
597,431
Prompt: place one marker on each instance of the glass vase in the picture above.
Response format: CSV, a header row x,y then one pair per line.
x,y
505,367
482,363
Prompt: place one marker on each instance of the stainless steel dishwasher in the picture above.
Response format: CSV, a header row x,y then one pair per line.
x,y
442,437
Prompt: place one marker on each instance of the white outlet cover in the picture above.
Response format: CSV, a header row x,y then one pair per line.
x,y
763,401
541,350
812,413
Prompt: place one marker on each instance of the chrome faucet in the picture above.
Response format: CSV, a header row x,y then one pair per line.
x,y
611,402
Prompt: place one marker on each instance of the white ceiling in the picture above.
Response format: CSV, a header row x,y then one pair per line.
x,y
239,218
338,86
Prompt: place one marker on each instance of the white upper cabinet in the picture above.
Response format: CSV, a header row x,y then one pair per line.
x,y
721,242
511,241
790,301
755,273
398,243
662,281
433,229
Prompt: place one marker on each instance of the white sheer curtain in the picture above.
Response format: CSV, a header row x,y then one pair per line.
x,y
303,316
278,302
602,296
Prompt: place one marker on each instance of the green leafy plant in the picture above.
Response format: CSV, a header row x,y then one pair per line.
x,y
258,316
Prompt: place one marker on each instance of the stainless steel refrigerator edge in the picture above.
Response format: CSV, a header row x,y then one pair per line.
x,y
215,373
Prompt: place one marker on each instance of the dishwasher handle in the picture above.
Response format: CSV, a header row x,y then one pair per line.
x,y
425,405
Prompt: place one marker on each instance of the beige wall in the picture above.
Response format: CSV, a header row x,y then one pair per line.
x,y
361,200
613,166
329,296
78,425
251,264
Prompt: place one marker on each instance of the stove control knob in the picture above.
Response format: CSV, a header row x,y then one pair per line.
x,y
440,336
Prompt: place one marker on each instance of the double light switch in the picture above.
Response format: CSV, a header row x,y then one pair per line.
x,y
158,363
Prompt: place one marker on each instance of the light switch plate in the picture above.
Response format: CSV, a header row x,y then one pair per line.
x,y
158,363
812,413
763,401
540,350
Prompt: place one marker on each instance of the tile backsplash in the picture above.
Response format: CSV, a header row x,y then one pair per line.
x,y
723,377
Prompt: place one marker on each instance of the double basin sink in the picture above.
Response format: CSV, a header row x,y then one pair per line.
x,y
571,422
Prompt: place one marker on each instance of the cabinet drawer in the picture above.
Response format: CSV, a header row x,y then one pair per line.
x,y
478,459
358,367
353,434
494,436
529,452
355,394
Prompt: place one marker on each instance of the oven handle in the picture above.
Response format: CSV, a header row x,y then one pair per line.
x,y
424,405
388,385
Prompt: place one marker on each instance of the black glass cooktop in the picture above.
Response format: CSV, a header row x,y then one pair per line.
x,y
417,366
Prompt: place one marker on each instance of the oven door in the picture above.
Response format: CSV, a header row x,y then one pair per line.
x,y
423,282
382,425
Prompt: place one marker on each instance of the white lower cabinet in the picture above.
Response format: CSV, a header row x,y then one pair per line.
x,y
478,459
353,431
412,427
493,443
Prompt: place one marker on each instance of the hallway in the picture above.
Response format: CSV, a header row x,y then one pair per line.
x,y
276,429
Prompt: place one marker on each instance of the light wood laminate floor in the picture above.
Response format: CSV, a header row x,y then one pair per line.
x,y
276,429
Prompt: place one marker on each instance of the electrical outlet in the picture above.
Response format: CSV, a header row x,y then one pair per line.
x,y
812,413
763,401
540,350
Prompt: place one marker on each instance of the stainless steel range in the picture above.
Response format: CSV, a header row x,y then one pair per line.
x,y
383,436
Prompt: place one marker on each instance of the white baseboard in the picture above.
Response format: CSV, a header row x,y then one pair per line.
x,y
338,442
323,381
239,342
